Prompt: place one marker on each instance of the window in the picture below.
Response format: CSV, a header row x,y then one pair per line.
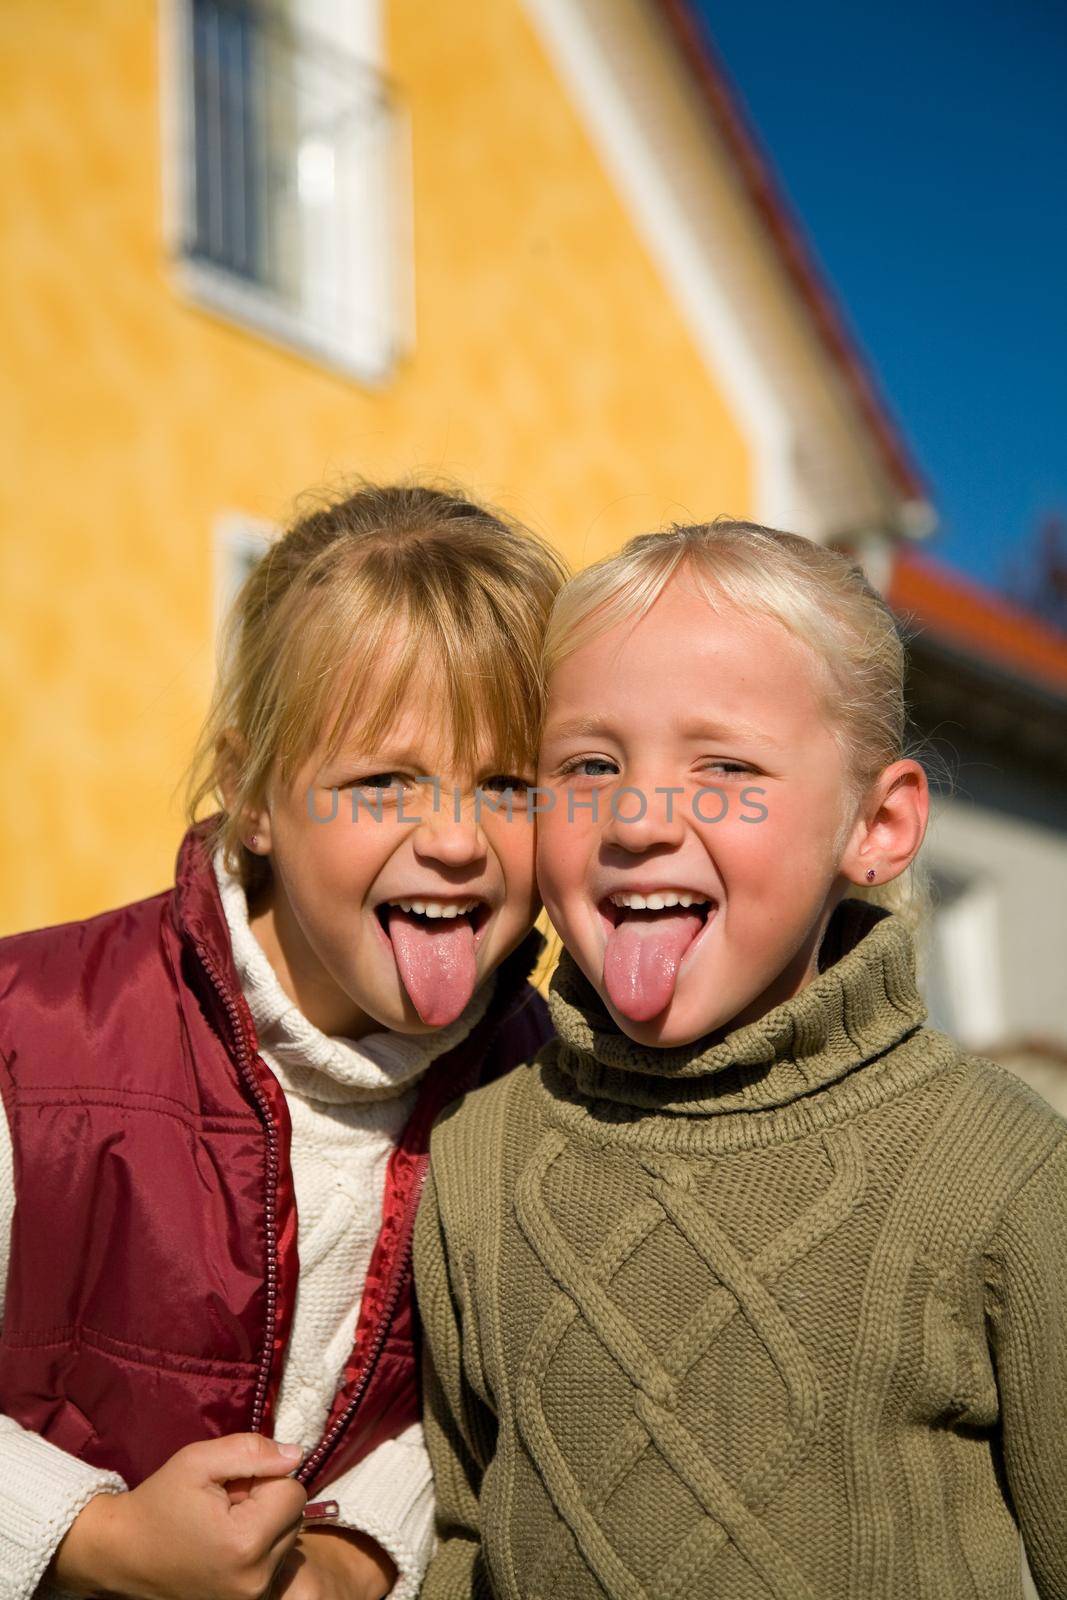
x,y
288,209
240,542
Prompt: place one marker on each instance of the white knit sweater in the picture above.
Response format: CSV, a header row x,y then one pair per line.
x,y
348,1103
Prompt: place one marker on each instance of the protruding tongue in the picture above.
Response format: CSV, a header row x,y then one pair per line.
x,y
642,958
436,962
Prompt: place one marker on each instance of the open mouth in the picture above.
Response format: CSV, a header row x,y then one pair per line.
x,y
649,937
615,908
472,910
434,943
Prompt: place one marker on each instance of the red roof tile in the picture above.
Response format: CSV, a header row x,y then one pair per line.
x,y
965,613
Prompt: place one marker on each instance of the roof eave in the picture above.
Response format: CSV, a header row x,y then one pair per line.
x,y
915,518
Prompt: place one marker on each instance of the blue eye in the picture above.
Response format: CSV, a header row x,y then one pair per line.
x,y
602,767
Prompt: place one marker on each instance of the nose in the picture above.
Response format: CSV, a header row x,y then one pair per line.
x,y
449,838
640,818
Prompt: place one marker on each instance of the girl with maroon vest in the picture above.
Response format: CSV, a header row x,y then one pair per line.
x,y
218,1098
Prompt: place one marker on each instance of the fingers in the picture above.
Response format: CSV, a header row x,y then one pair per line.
x,y
274,1507
282,1498
263,1530
241,1455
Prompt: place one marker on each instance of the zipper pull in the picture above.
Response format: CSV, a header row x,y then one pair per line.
x,y
322,1511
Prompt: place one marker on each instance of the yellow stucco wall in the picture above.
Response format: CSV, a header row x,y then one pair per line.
x,y
551,371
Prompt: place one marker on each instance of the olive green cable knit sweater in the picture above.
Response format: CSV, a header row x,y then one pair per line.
x,y
783,1317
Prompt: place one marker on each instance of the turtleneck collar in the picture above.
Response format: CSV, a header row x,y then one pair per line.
x,y
862,1003
308,1062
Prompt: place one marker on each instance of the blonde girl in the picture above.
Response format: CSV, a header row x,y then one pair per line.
x,y
752,1284
218,1098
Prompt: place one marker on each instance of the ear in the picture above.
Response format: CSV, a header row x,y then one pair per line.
x,y
231,750
891,826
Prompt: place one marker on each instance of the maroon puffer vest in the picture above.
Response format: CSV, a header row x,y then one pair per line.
x,y
154,1244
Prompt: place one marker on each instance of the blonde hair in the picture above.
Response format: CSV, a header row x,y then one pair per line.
x,y
398,578
820,595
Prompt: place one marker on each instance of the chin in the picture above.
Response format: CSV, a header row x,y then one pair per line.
x,y
667,1031
386,1007
400,1016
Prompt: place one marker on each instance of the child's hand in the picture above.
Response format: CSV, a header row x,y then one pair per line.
x,y
181,1536
335,1564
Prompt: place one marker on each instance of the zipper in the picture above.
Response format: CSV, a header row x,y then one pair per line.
x,y
247,1071
311,1464
314,1461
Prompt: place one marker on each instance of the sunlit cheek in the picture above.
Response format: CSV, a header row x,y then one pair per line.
x,y
551,861
567,847
323,829
512,842
563,844
737,831
349,851
788,853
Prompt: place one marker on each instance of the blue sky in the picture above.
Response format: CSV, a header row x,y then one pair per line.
x,y
924,149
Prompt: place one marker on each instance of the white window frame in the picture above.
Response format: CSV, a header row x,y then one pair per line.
x,y
324,26
239,540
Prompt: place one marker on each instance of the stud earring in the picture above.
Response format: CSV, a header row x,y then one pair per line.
x,y
870,874
253,842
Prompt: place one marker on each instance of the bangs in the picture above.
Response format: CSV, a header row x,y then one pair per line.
x,y
473,667
625,587
604,594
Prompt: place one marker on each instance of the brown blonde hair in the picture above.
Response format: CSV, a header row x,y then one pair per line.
x,y
820,595
398,577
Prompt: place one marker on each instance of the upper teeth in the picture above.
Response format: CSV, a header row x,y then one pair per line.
x,y
657,902
436,908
